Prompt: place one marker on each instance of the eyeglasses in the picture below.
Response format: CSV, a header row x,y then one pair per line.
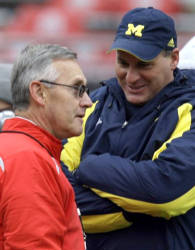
x,y
80,89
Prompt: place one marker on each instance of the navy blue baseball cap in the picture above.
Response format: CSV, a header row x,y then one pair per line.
x,y
145,32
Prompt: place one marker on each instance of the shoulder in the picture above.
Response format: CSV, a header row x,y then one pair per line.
x,y
190,75
103,91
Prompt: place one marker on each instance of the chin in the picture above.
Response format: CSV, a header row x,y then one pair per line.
x,y
136,101
76,132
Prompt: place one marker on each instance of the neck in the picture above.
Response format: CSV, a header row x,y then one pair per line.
x,y
35,116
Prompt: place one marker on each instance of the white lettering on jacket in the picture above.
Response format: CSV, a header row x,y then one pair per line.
x,y
2,165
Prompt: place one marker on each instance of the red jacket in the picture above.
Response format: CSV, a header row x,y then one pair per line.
x,y
37,206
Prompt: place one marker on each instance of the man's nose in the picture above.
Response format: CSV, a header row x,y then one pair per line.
x,y
132,75
86,100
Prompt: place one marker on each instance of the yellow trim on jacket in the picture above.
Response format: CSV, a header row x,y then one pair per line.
x,y
71,157
103,223
183,125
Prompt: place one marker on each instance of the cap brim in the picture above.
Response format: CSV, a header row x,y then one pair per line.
x,y
143,51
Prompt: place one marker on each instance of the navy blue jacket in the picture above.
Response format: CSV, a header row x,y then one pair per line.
x,y
133,169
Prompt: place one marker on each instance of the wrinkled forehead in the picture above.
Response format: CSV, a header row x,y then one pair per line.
x,y
69,70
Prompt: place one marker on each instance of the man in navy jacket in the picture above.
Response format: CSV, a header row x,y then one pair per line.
x,y
133,168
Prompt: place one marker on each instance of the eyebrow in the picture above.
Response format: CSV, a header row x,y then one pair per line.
x,y
79,81
119,58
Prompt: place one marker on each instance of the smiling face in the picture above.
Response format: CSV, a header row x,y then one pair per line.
x,y
142,81
63,106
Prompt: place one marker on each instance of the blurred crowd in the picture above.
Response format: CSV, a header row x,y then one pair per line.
x,y
84,25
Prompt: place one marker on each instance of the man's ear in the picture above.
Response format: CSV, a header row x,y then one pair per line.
x,y
174,58
37,92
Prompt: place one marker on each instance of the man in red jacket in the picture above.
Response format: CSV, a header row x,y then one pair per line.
x,y
37,204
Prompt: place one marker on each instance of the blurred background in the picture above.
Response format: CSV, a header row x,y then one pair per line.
x,y
86,26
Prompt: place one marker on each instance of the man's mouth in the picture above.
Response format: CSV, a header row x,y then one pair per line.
x,y
135,88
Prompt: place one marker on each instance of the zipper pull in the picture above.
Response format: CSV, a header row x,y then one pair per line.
x,y
124,124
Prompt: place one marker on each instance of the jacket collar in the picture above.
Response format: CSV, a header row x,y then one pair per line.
x,y
51,143
174,88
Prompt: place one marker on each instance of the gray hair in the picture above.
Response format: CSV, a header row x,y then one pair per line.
x,y
35,63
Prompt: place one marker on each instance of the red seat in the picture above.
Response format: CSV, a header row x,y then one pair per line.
x,y
111,5
168,6
47,20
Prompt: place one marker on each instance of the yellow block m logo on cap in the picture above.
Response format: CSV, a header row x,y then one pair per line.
x,y
135,30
